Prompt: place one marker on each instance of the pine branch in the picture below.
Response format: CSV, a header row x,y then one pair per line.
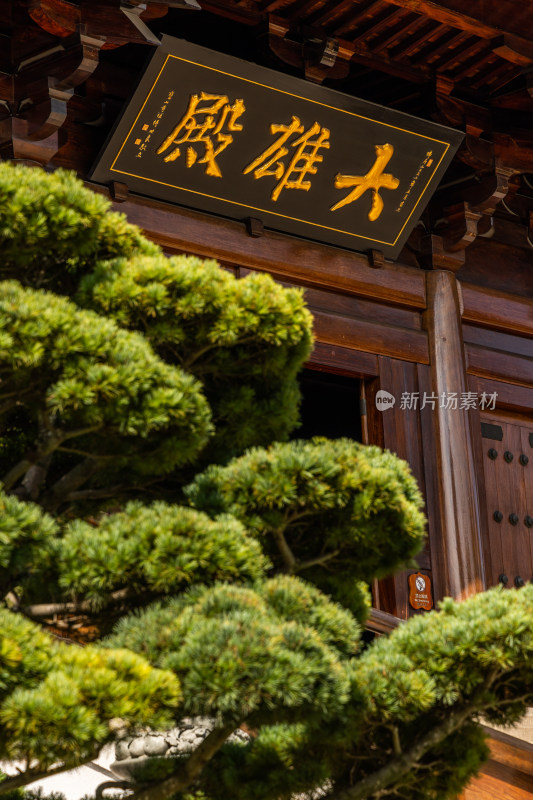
x,y
285,551
16,472
9,404
83,606
313,562
193,767
97,494
79,432
187,363
34,479
25,778
400,766
112,491
77,476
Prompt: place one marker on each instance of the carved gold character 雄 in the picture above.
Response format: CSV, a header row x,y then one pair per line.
x,y
210,125
374,179
302,163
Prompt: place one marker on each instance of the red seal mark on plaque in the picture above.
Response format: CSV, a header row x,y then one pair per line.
x,y
420,591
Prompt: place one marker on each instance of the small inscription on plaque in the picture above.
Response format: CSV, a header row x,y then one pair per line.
x,y
420,591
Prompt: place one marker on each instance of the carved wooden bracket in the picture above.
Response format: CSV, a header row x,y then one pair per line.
x,y
44,119
461,228
463,221
376,258
50,59
16,144
102,18
513,50
41,88
445,249
491,190
317,55
434,255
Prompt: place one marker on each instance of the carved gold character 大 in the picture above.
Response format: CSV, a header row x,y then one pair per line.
x,y
302,163
210,125
374,179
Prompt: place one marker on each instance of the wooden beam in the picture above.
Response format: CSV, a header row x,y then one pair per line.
x,y
503,366
362,334
515,48
342,361
518,399
496,310
381,622
451,482
495,340
286,257
446,16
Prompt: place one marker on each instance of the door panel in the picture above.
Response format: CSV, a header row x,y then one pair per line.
x,y
508,469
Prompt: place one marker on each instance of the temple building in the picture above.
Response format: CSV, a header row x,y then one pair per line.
x,y
377,153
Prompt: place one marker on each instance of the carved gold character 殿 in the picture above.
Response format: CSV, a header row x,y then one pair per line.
x,y
374,179
210,125
302,163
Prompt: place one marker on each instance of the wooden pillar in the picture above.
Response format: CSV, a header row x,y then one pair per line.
x,y
449,454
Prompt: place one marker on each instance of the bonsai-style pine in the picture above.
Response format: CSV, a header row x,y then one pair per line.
x,y
210,577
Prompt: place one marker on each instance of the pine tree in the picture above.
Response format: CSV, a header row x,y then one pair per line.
x,y
215,573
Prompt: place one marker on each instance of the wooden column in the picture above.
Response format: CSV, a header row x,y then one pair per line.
x,y
448,447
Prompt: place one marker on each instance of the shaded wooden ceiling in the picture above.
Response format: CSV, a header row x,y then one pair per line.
x,y
479,46
67,66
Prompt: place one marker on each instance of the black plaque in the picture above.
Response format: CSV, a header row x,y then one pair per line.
x,y
222,135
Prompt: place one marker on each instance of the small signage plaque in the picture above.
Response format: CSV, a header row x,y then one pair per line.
x,y
218,134
420,591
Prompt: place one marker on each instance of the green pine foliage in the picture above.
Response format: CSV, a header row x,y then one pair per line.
x,y
244,339
412,717
93,389
58,703
335,512
25,534
52,229
241,654
120,369
155,549
23,794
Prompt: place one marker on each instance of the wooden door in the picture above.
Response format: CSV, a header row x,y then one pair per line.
x,y
508,468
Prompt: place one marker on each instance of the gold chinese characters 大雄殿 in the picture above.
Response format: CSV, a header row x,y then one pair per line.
x,y
374,179
303,161
210,125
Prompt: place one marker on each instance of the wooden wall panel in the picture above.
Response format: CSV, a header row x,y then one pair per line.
x,y
498,782
509,490
350,306
401,435
401,427
361,334
301,262
508,775
358,324
504,312
343,360
518,399
500,365
496,340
